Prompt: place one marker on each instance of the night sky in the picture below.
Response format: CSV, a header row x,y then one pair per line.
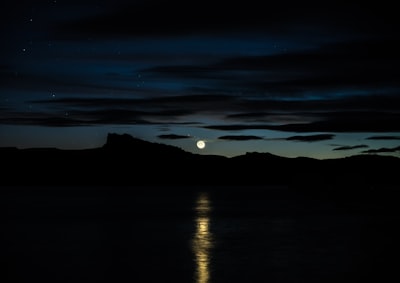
x,y
304,78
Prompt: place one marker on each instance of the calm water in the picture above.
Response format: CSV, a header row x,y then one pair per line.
x,y
201,236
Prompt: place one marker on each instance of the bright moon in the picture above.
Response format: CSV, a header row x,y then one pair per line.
x,y
201,144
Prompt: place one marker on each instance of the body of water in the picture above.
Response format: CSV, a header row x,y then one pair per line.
x,y
201,236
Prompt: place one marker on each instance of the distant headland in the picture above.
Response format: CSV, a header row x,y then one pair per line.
x,y
125,160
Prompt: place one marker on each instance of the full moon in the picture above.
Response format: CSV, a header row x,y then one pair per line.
x,y
201,144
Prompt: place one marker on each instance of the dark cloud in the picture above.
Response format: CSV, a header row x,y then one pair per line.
x,y
68,116
110,116
288,116
367,65
49,82
351,147
41,119
383,150
167,107
73,118
173,137
108,111
181,17
160,102
240,137
311,138
118,109
155,18
381,124
249,116
383,138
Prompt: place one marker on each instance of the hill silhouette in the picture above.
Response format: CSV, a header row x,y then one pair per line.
x,y
125,160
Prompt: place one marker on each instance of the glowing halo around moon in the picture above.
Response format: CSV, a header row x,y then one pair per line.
x,y
201,144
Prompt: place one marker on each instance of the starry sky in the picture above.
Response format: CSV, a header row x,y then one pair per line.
x,y
293,78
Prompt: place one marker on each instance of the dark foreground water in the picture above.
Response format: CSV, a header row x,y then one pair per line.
x,y
203,235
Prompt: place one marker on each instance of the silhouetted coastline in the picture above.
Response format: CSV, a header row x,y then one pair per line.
x,y
125,160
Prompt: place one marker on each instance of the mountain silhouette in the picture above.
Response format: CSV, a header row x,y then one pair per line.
x,y
125,160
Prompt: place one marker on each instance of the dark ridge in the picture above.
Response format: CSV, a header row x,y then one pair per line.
x,y
10,148
125,160
125,142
